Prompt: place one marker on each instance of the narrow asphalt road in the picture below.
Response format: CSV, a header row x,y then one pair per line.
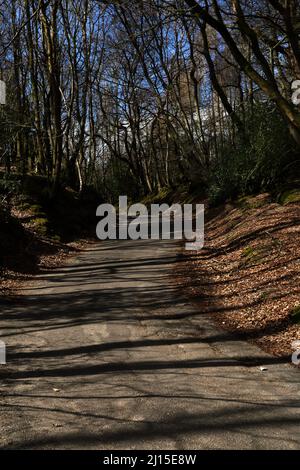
x,y
105,353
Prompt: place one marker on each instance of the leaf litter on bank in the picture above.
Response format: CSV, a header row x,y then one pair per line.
x,y
247,275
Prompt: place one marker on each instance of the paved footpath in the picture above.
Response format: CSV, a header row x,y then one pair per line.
x,y
105,353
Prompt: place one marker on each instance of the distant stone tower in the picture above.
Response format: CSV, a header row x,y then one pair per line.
x,y
2,92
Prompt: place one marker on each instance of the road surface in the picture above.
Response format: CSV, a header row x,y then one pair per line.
x,y
106,353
